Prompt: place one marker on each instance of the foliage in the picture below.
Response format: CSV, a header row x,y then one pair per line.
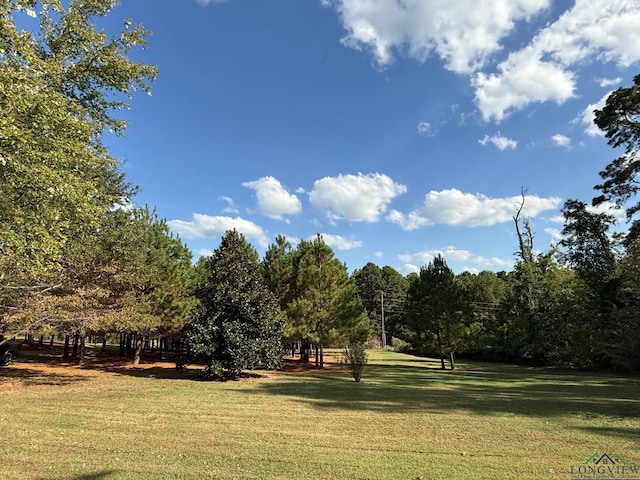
x,y
238,324
60,83
370,288
325,308
355,359
620,120
438,311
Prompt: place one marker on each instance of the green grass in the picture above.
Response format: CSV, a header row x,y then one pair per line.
x,y
405,420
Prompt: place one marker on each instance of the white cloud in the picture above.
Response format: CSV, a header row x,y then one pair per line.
x,y
424,128
463,33
453,207
607,82
204,252
378,254
206,226
592,30
273,199
339,242
608,208
453,254
231,207
522,79
554,233
357,198
561,140
502,143
587,116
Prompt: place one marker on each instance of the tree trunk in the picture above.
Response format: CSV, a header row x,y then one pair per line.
x,y
452,361
65,353
82,337
321,355
74,351
317,358
138,351
104,344
442,365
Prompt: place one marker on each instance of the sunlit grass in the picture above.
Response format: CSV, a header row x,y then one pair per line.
x,y
405,420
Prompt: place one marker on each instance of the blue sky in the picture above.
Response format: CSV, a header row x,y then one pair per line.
x,y
397,130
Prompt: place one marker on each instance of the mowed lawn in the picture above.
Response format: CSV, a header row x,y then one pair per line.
x,y
406,420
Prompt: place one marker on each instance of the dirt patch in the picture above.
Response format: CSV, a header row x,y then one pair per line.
x,y
43,366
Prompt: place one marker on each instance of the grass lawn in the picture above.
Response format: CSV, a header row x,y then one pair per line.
x,y
405,420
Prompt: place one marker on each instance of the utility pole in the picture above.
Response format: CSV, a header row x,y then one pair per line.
x,y
384,337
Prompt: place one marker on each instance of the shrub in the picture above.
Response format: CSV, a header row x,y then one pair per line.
x,y
354,359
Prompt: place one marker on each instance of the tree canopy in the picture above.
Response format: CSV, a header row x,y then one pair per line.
x,y
239,323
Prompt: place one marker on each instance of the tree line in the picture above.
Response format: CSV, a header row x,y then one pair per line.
x,y
77,259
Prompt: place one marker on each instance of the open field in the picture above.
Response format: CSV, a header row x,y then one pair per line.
x,y
406,420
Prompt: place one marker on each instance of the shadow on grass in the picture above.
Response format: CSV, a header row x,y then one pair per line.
x,y
631,433
484,389
28,377
44,365
92,476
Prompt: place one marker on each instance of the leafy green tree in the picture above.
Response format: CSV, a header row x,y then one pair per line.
x,y
622,339
370,291
160,281
620,120
586,242
486,291
325,308
438,311
238,324
60,83
395,288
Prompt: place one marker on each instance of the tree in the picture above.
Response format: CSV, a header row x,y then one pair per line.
x,y
370,291
587,244
325,307
395,288
60,83
239,323
438,311
620,120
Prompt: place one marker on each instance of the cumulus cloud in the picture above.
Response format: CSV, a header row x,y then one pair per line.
x,y
592,30
466,35
413,261
453,207
587,116
607,82
273,199
206,226
339,242
463,33
561,140
502,143
357,198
